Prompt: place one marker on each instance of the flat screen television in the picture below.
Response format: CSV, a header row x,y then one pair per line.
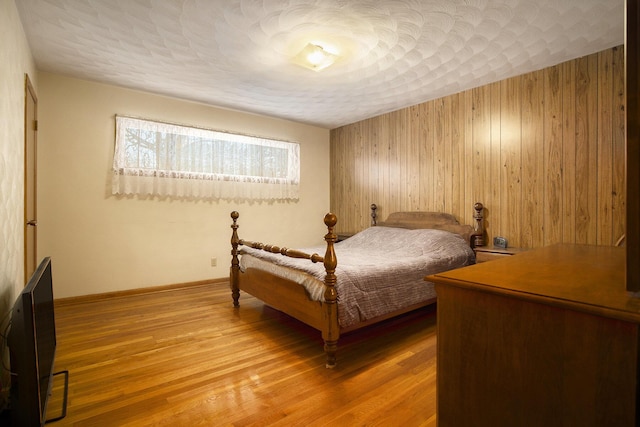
x,y
32,348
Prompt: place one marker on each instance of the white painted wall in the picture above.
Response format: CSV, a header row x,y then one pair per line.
x,y
102,243
15,62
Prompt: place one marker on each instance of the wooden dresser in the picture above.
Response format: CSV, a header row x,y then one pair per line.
x,y
489,253
548,337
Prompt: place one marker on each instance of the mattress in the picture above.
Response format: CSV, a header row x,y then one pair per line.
x,y
380,270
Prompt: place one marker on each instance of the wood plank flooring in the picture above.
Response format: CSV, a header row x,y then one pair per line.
x,y
186,357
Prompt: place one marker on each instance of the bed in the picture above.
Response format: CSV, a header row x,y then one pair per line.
x,y
380,274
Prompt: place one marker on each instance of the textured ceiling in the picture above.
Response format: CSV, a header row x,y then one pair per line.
x,y
237,53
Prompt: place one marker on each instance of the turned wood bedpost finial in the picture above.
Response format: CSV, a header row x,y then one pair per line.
x,y
332,332
235,262
478,227
374,215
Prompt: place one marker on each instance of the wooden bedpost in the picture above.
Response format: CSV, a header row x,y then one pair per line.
x,y
331,332
235,262
374,215
478,226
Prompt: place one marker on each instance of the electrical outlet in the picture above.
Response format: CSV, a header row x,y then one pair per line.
x,y
214,262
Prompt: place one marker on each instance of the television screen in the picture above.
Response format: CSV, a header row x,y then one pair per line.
x,y
32,347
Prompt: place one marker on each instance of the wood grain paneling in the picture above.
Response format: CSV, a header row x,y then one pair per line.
x,y
551,156
632,31
543,151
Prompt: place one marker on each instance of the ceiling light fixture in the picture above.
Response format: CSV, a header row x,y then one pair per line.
x,y
315,57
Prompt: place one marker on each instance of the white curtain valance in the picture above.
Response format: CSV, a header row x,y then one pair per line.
x,y
155,158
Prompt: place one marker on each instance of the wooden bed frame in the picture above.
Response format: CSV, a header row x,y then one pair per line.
x,y
292,298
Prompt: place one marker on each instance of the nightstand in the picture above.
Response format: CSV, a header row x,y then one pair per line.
x,y
488,253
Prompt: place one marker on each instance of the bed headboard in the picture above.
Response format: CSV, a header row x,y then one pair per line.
x,y
437,220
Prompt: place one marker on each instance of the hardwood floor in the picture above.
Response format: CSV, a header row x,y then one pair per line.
x,y
186,357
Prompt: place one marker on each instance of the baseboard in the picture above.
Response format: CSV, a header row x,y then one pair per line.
x,y
83,299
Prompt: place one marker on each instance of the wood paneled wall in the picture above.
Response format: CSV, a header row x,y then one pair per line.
x,y
544,152
632,60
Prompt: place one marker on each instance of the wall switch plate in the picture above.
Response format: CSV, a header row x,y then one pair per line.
x,y
214,262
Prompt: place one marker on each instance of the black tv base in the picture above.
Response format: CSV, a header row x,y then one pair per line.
x,y
64,397
5,415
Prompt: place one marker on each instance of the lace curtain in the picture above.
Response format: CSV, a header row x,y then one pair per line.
x,y
155,158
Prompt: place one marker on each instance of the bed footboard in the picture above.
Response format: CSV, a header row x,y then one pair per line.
x,y
235,261
329,308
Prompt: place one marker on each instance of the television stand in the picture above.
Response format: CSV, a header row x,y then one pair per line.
x,y
64,397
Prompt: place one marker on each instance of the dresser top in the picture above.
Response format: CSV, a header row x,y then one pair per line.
x,y
581,277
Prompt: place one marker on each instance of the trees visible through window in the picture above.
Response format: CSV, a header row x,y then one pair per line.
x,y
155,158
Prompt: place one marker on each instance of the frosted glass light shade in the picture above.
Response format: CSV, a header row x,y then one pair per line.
x,y
314,57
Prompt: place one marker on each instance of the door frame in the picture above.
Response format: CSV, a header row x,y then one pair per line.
x,y
30,178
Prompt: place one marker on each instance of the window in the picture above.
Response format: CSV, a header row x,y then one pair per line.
x,y
155,158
